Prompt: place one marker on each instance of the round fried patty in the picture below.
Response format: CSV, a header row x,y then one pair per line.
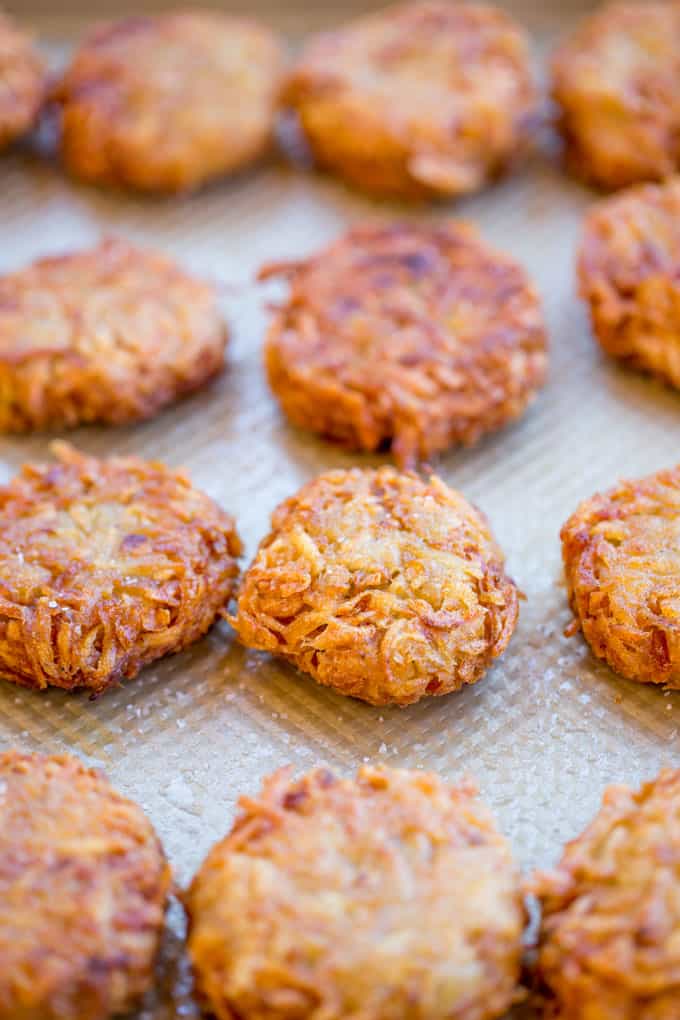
x,y
166,103
106,565
611,910
431,98
83,885
387,897
22,81
622,563
616,81
407,335
378,584
629,273
110,335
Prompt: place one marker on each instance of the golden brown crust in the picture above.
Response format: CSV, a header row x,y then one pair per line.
x,y
387,897
411,335
167,103
378,584
423,99
610,938
110,335
623,576
22,81
83,886
616,81
629,273
105,566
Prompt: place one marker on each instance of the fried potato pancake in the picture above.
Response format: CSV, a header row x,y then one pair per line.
x,y
23,77
410,336
380,585
616,82
629,274
421,100
610,934
167,103
83,887
622,566
388,897
105,566
111,335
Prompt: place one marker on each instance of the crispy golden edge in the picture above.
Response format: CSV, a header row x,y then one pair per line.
x,y
99,932
379,804
638,652
629,281
23,79
443,394
128,380
358,139
338,625
110,138
93,626
609,910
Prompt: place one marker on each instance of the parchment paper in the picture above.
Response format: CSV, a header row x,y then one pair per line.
x,y
549,727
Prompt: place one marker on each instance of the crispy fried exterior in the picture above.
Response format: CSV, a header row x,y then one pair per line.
x,y
610,937
629,273
616,82
623,576
387,897
22,82
83,885
110,335
424,99
378,584
106,565
408,335
165,104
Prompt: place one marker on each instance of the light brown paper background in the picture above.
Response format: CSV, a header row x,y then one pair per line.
x,y
549,727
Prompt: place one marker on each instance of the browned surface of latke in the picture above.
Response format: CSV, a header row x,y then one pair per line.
x,y
83,885
112,335
616,81
22,81
610,939
106,565
629,274
407,335
165,104
383,586
420,100
386,897
622,563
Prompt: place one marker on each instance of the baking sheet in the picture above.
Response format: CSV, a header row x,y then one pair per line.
x,y
549,727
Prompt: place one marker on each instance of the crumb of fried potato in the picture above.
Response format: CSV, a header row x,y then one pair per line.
x,y
421,100
611,910
165,104
83,887
391,895
409,336
105,566
623,576
378,584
